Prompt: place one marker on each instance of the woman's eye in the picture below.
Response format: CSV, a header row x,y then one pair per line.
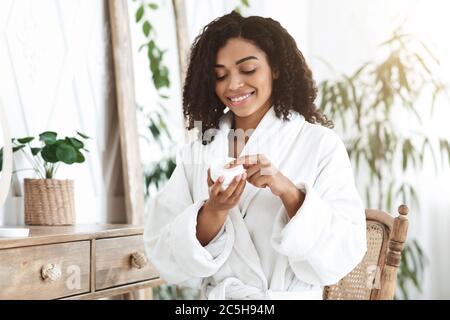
x,y
220,78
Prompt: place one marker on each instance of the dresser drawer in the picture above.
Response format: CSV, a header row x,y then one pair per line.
x,y
121,261
45,271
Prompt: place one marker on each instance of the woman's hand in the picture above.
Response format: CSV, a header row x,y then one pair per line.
x,y
220,201
213,213
262,173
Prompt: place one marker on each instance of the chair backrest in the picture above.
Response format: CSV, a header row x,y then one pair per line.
x,y
375,277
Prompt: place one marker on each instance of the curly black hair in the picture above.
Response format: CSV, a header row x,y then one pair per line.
x,y
294,89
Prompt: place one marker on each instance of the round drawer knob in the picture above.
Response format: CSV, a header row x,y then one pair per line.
x,y
138,260
51,272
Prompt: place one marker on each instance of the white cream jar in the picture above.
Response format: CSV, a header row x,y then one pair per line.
x,y
218,169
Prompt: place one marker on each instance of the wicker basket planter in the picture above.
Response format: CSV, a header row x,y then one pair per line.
x,y
49,202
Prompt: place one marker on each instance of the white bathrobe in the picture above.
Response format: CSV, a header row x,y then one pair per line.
x,y
260,253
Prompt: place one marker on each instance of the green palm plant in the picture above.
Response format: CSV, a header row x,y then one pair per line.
x,y
366,107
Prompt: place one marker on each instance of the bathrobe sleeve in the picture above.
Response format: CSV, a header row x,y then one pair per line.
x,y
326,238
170,233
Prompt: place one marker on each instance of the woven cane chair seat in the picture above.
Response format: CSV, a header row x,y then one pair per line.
x,y
375,276
358,284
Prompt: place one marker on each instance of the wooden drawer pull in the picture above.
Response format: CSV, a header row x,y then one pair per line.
x,y
51,272
138,260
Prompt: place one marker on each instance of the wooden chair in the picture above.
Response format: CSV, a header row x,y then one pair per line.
x,y
375,276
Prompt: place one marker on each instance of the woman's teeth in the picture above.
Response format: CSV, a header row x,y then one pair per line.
x,y
241,98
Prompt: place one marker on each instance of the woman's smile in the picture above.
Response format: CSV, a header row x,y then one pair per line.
x,y
238,100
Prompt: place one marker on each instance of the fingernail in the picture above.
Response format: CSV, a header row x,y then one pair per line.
x,y
238,178
221,178
244,176
227,165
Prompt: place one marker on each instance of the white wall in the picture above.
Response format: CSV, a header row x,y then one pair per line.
x,y
55,75
346,33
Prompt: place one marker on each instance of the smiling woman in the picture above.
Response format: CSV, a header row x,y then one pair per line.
x,y
290,224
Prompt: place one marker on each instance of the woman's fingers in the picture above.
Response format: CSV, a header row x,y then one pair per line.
x,y
249,160
263,169
239,189
253,177
252,170
217,186
229,197
245,160
259,180
209,180
229,191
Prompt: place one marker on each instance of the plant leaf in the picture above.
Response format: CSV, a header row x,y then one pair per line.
x,y
142,46
25,140
405,153
146,27
83,135
17,148
48,137
139,13
80,157
368,198
35,151
77,144
66,153
48,153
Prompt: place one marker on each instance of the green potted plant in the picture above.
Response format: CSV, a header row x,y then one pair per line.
x,y
366,106
49,201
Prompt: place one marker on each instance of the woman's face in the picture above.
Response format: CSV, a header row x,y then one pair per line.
x,y
243,77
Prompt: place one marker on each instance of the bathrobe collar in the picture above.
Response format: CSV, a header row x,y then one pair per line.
x,y
263,132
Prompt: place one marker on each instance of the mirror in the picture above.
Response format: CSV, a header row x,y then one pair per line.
x,y
6,154
58,55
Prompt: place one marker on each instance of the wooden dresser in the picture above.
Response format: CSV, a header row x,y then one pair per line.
x,y
75,262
